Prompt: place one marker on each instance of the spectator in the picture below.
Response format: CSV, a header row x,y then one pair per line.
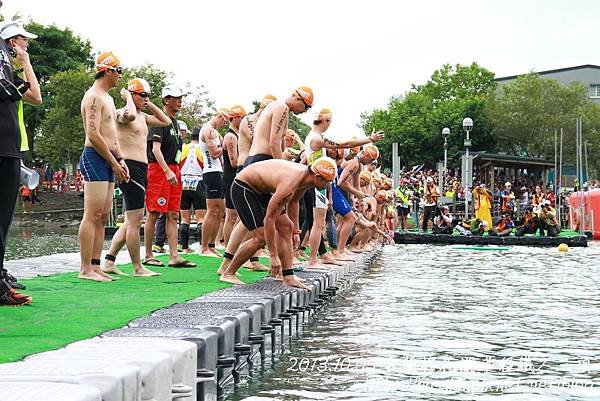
x,y
537,200
474,226
15,89
529,223
430,195
483,204
402,203
547,220
507,196
503,227
442,222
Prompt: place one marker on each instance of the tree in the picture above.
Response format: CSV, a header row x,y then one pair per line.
x,y
54,50
527,112
198,107
62,136
416,119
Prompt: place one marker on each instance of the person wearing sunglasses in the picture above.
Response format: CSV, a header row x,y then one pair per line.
x,y
10,164
101,160
269,133
132,133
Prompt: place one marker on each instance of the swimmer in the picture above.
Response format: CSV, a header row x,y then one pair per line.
x,y
260,193
212,174
132,133
101,160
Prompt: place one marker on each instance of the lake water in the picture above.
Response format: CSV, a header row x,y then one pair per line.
x,y
437,323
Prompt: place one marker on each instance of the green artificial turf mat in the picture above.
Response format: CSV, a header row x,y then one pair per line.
x,y
66,309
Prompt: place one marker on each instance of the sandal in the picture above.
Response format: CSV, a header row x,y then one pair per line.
x,y
153,262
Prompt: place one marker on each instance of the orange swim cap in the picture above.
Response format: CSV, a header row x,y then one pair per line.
x,y
225,113
237,111
305,93
325,167
365,176
138,85
371,152
388,183
267,99
106,61
381,196
324,114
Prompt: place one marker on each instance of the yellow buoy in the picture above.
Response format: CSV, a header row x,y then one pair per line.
x,y
563,248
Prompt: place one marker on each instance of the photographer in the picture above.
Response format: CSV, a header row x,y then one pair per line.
x,y
503,227
442,222
530,223
547,220
474,226
10,151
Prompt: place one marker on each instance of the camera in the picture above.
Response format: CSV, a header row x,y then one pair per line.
x,y
9,92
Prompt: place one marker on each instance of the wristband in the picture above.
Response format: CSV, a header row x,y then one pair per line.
x,y
296,232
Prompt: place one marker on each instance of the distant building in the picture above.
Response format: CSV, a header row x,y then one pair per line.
x,y
588,75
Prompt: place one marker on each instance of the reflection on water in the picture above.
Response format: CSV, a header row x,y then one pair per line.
x,y
28,242
436,323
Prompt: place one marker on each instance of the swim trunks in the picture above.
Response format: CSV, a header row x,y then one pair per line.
x,y
250,205
256,158
94,168
134,191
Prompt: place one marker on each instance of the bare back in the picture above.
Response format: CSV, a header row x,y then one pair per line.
x,y
268,176
132,137
99,117
245,137
269,138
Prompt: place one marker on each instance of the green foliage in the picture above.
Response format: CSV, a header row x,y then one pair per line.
x,y
198,107
62,136
54,50
526,113
416,120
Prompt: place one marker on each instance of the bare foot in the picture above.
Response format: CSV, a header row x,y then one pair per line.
x,y
224,266
92,276
293,281
231,279
217,253
99,272
210,254
329,260
247,264
110,267
343,257
141,271
259,267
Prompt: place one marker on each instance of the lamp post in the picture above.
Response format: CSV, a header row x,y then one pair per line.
x,y
467,127
445,135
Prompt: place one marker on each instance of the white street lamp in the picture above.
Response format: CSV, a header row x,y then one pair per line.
x,y
467,127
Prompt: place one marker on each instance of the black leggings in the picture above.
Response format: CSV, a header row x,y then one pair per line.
x,y
309,203
10,168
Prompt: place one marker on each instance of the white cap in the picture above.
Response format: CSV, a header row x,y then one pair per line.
x,y
484,223
171,90
14,28
429,179
546,202
182,125
507,184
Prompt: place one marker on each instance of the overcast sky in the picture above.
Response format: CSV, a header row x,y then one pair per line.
x,y
354,54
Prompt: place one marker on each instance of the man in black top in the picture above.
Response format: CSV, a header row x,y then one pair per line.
x,y
163,194
10,162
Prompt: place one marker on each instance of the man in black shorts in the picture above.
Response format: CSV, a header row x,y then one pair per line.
x,y
212,173
194,191
132,132
261,192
